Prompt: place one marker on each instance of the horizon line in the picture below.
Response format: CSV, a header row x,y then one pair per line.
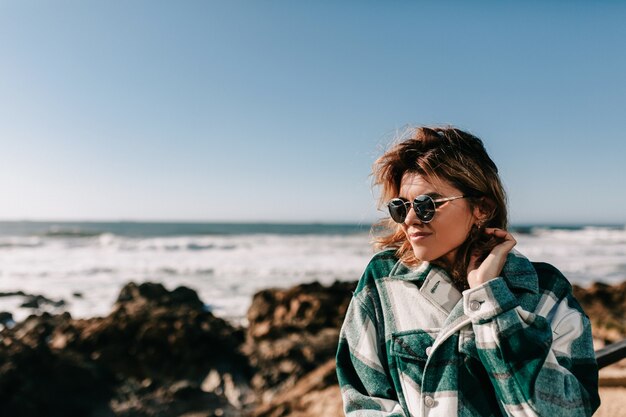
x,y
289,222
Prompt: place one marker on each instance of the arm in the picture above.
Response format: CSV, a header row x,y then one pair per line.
x,y
538,366
365,384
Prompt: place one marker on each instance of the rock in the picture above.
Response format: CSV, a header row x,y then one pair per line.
x,y
36,380
606,307
275,312
169,400
292,332
162,336
6,319
149,357
12,294
138,296
34,300
315,394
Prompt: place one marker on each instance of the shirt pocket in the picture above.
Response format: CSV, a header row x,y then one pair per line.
x,y
409,352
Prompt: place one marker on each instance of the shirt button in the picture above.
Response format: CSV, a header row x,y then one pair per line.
x,y
429,401
474,305
428,350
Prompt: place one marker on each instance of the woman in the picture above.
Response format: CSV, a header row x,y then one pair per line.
x,y
448,320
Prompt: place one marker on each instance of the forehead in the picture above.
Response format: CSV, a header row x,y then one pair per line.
x,y
413,184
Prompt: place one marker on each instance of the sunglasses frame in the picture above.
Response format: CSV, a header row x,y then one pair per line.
x,y
408,204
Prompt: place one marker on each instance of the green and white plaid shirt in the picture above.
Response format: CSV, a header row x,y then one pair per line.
x,y
517,345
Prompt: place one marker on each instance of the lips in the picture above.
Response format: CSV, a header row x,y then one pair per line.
x,y
418,235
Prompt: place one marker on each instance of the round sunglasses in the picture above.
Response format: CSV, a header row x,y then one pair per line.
x,y
424,206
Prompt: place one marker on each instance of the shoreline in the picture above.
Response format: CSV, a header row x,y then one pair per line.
x,y
39,303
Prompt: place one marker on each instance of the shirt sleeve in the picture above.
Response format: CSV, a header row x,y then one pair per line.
x,y
365,384
539,364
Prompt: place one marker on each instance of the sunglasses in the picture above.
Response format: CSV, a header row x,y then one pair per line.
x,y
424,207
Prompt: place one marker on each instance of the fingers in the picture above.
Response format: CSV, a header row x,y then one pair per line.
x,y
508,240
492,265
501,233
497,232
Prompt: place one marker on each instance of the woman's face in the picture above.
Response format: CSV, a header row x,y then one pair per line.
x,y
448,229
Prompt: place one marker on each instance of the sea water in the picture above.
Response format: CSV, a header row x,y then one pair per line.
x,y
86,264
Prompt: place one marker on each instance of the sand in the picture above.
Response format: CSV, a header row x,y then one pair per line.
x,y
613,402
613,390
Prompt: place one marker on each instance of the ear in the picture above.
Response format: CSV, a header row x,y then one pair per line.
x,y
484,209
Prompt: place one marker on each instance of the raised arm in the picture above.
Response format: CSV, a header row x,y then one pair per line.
x,y
539,364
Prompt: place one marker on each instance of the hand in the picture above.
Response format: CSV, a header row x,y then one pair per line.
x,y
479,273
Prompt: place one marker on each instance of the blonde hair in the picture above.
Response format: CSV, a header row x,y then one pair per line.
x,y
445,154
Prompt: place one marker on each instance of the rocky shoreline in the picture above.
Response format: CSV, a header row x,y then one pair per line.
x,y
161,353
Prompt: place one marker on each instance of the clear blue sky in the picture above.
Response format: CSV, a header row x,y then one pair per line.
x,y
275,110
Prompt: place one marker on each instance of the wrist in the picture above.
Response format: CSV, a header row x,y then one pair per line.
x,y
477,280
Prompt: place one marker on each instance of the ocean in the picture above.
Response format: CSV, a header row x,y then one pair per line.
x,y
86,264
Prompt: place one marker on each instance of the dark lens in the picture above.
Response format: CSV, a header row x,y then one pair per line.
x,y
424,207
397,210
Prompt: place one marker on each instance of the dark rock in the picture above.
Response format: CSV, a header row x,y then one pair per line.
x,y
292,332
6,319
149,357
31,302
171,400
12,294
157,295
161,335
37,301
36,380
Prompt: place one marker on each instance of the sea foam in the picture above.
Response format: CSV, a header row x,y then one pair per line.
x,y
88,269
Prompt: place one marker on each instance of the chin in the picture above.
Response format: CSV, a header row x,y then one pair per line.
x,y
425,255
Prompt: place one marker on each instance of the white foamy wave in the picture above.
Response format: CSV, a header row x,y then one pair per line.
x,y
227,270
166,244
584,256
20,242
585,236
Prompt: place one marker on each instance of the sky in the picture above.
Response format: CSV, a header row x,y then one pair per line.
x,y
274,111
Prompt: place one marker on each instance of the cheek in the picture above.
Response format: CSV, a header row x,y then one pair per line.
x,y
454,233
448,237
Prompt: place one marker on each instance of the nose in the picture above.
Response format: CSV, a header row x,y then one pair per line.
x,y
411,218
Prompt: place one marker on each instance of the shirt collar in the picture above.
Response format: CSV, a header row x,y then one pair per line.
x,y
417,274
518,272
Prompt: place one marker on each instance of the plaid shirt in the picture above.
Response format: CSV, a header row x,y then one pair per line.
x,y
517,345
